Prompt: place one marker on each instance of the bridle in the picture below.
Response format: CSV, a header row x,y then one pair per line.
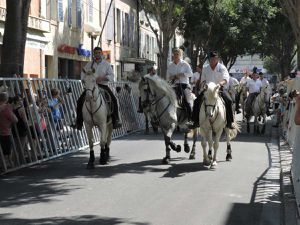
x,y
155,101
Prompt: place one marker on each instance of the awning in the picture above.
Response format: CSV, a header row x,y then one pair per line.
x,y
138,60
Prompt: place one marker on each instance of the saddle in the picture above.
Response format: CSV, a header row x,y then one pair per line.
x,y
108,101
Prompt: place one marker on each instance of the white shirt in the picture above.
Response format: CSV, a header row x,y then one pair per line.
x,y
195,78
244,80
155,76
254,86
216,76
180,67
102,69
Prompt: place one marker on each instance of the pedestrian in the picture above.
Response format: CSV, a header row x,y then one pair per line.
x,y
7,118
103,73
179,72
217,73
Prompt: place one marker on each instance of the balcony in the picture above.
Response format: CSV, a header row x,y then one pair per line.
x,y
33,22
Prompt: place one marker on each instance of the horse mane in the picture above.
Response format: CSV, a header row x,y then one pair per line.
x,y
163,87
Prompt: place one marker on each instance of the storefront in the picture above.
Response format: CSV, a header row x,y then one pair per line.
x,y
71,60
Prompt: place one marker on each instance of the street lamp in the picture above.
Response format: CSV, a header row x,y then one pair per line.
x,y
92,32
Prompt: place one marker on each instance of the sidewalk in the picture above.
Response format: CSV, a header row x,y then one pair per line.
x,y
289,205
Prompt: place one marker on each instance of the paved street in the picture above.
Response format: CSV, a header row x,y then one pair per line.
x,y
136,189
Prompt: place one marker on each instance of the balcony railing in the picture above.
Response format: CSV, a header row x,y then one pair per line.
x,y
33,22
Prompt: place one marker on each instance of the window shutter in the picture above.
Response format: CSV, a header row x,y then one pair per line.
x,y
60,10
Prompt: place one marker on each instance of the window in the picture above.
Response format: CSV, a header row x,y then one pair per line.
x,y
70,13
110,21
126,29
90,11
78,13
60,10
118,26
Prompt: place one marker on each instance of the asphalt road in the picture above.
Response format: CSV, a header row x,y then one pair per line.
x,y
136,189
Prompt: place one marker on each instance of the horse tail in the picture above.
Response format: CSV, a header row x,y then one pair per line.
x,y
233,132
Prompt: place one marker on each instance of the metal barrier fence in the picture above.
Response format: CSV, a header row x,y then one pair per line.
x,y
43,130
291,133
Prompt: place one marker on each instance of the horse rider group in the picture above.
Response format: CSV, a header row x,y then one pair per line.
x,y
179,73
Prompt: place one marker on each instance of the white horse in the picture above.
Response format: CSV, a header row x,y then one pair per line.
x,y
161,99
212,120
259,109
95,113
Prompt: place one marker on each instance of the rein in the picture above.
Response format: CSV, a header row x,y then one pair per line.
x,y
95,100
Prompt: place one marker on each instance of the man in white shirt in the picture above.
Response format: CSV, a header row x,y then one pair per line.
x,y
151,73
265,82
179,73
217,73
103,73
195,79
253,86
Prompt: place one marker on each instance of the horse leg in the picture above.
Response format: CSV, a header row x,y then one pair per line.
x,y
229,155
166,159
216,147
206,161
210,145
146,123
103,141
91,161
170,143
186,144
264,125
192,155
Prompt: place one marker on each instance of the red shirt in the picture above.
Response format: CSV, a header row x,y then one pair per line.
x,y
7,118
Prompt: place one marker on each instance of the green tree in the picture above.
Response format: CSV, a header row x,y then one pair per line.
x,y
291,9
168,14
279,45
14,38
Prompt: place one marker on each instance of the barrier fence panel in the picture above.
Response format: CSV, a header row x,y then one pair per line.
x,y
43,130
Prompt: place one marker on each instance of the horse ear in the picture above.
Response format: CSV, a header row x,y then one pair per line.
x,y
83,70
205,87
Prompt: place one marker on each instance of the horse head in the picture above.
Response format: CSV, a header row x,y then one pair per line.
x,y
90,84
145,92
210,99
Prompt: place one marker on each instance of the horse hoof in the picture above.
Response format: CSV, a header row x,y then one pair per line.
x,y
186,148
166,160
228,157
213,165
206,163
192,157
178,148
90,166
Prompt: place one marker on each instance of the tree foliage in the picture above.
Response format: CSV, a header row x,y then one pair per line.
x,y
168,14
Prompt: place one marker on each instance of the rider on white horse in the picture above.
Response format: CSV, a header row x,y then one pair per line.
x,y
254,86
265,82
217,73
179,72
103,73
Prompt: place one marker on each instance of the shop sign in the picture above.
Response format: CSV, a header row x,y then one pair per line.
x,y
66,49
83,52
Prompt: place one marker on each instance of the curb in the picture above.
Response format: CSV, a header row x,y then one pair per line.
x,y
289,204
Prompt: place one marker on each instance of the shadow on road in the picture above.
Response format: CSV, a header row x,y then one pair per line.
x,y
265,203
82,220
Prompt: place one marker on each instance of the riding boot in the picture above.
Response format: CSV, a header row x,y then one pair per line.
x,y
79,118
229,112
196,111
